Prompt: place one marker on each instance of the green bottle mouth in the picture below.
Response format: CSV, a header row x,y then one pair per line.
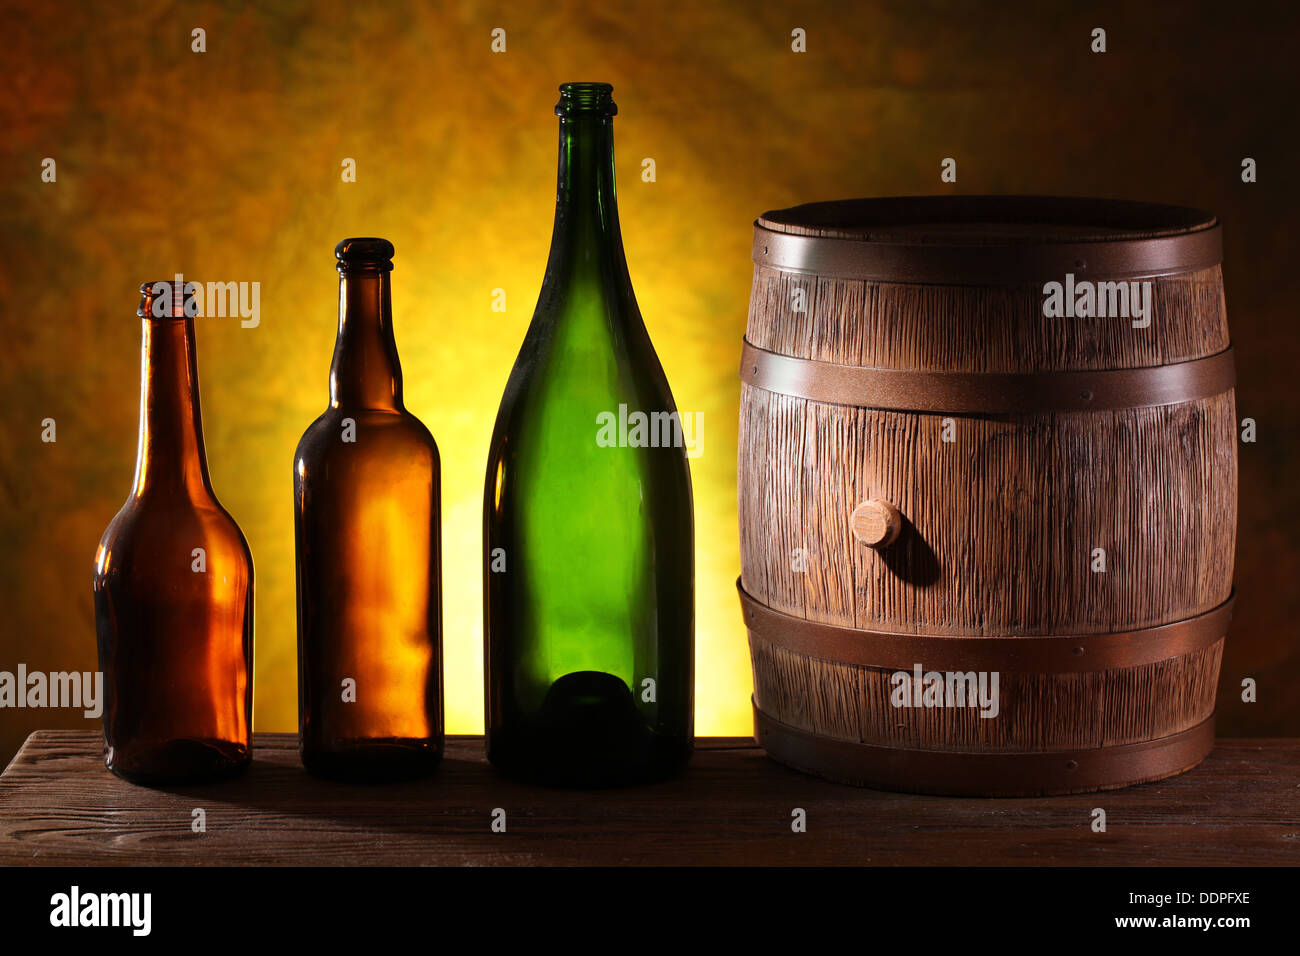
x,y
586,99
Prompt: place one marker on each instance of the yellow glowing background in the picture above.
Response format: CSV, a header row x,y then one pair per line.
x,y
225,165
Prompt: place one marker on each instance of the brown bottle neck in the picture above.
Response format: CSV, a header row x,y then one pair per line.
x,y
365,372
170,454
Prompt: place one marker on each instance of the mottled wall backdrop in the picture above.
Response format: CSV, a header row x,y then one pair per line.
x,y
225,165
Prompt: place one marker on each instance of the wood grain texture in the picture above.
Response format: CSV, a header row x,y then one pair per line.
x,y
1002,514
978,329
59,806
1039,712
1003,520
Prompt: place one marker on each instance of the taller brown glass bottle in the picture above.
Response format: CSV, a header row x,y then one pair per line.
x,y
174,584
366,510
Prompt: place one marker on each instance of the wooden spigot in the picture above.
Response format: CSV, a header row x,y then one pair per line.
x,y
876,523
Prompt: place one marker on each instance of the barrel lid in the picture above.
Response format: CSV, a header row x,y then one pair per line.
x,y
979,239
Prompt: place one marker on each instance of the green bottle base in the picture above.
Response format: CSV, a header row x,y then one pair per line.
x,y
588,734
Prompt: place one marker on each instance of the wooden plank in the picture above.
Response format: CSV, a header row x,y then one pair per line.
x,y
58,805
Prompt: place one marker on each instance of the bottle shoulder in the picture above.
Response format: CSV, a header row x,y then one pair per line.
x,y
163,505
157,523
567,363
365,433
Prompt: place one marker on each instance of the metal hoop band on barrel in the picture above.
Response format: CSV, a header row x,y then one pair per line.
x,y
988,393
1057,654
961,773
934,263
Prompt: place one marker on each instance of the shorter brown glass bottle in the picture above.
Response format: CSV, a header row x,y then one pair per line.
x,y
174,584
366,515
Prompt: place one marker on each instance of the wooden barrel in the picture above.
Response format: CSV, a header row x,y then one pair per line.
x,y
988,489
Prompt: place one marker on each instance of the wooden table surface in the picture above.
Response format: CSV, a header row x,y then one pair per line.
x,y
59,805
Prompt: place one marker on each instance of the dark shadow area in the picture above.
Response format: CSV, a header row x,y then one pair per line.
x,y
460,793
911,557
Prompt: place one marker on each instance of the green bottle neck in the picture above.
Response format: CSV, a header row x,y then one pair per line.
x,y
365,372
586,245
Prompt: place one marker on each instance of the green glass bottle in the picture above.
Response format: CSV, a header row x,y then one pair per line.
x,y
588,528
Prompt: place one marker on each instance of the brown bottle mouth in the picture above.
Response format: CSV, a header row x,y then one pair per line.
x,y
364,253
164,299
